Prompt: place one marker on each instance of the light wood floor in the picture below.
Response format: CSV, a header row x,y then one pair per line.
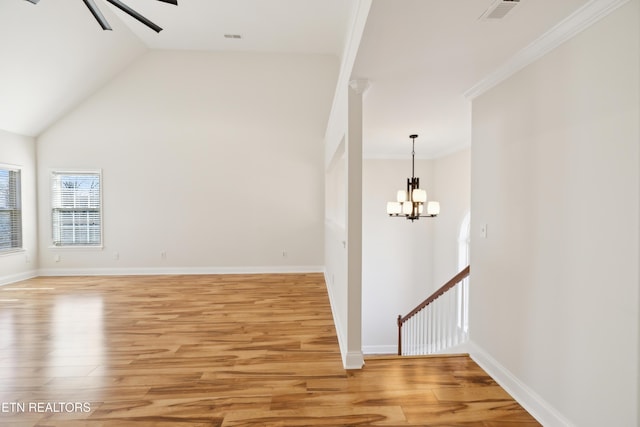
x,y
232,350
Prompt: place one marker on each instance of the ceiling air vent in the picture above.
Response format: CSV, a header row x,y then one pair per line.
x,y
498,9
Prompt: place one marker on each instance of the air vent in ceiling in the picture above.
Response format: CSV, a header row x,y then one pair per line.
x,y
499,9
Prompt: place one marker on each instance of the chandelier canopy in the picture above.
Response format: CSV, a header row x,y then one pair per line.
x,y
410,203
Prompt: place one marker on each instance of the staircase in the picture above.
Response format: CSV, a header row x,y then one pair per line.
x,y
439,323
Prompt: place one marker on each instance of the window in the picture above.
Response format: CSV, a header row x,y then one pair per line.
x,y
464,241
10,210
76,214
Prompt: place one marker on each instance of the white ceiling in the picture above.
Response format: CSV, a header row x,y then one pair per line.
x,y
280,26
420,56
54,54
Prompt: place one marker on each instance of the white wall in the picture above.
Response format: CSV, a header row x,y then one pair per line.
x,y
18,150
397,258
215,159
452,179
343,229
555,175
404,262
335,241
337,193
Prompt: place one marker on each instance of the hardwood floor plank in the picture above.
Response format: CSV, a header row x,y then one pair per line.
x,y
221,350
313,416
447,411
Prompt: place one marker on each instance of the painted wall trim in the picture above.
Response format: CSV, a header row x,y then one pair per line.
x,y
342,342
177,270
350,359
539,408
350,51
578,21
354,360
13,278
379,349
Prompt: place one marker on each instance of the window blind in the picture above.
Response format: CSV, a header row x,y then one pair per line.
x,y
10,210
76,209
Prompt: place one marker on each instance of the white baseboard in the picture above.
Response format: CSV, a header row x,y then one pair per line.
x,y
350,359
336,321
13,278
379,349
540,409
393,349
152,271
462,348
353,360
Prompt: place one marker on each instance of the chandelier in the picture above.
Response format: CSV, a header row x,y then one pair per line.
x,y
411,202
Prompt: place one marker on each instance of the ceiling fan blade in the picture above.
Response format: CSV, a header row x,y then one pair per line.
x,y
97,14
36,1
126,9
164,1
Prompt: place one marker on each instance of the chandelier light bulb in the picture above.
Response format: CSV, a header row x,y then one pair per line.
x,y
394,208
418,195
433,208
407,208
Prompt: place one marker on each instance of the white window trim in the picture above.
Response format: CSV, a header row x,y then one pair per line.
x,y
464,242
21,249
12,252
66,171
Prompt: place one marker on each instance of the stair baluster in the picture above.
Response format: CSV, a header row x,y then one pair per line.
x,y
439,322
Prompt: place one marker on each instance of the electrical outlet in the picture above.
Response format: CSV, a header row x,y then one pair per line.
x,y
163,255
284,253
116,256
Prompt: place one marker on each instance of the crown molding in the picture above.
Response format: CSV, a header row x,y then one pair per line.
x,y
578,21
359,86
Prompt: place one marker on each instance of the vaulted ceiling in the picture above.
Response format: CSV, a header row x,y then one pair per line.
x,y
54,54
420,56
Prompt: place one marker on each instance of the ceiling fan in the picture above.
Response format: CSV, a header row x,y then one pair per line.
x,y
120,5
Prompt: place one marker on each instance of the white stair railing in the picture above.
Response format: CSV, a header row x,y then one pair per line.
x,y
439,322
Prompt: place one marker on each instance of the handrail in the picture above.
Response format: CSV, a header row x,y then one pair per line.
x,y
463,274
